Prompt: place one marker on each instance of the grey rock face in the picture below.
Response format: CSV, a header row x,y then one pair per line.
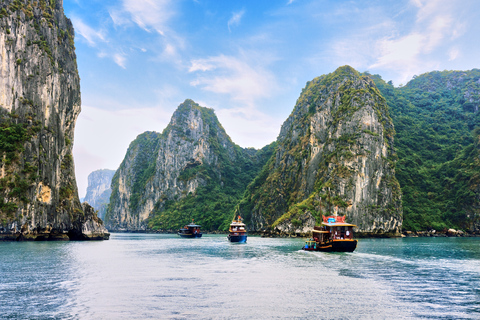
x,y
99,191
335,156
90,225
40,102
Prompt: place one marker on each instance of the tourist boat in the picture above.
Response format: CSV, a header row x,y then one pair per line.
x,y
190,231
334,235
237,231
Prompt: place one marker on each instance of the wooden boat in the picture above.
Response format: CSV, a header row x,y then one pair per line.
x,y
334,235
237,231
190,231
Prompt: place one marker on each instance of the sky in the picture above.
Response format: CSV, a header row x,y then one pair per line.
x,y
248,60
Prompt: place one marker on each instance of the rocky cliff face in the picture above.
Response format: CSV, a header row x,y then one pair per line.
x,y
334,156
39,104
99,191
191,170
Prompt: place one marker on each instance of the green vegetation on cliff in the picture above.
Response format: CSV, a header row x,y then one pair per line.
x,y
435,117
328,147
14,182
213,204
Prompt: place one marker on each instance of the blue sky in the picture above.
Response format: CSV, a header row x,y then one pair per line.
x,y
248,60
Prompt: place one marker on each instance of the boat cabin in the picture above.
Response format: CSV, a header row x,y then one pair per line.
x,y
193,228
237,227
334,234
190,231
333,228
237,231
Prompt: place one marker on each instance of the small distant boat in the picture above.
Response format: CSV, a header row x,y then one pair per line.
x,y
334,235
190,231
237,231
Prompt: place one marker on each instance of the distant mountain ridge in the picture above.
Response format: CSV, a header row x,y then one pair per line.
x,y
99,191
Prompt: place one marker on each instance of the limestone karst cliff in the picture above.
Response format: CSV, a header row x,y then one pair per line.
x,y
334,156
192,170
39,104
99,191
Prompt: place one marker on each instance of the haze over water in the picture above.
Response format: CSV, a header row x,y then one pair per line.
x,y
141,276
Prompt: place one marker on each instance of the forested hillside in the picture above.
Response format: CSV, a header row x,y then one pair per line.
x,y
436,119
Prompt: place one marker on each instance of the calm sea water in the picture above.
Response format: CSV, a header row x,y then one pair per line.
x,y
146,276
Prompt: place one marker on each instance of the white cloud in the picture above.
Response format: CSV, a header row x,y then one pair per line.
x,y
235,19
120,59
88,33
119,17
453,54
148,14
420,48
153,16
399,51
235,77
201,65
438,28
429,8
248,127
170,50
416,3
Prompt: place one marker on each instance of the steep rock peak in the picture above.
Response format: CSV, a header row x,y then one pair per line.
x,y
317,90
191,119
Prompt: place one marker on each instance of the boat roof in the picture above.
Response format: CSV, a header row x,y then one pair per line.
x,y
338,224
235,223
193,225
321,231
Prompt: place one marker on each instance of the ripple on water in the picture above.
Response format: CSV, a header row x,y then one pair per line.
x,y
138,276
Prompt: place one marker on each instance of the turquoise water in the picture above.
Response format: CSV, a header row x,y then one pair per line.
x,y
151,276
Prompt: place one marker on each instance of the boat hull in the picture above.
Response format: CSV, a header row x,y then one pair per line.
x,y
335,246
190,235
237,238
